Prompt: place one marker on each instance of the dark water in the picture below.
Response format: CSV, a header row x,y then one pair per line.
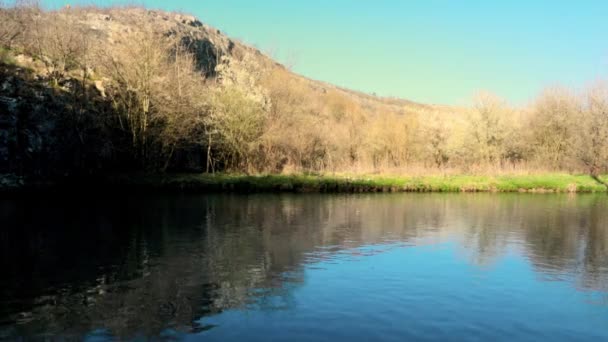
x,y
306,267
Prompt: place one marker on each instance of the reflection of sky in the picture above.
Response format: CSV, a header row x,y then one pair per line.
x,y
426,292
336,266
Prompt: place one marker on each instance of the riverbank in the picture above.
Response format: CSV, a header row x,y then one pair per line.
x,y
301,183
559,183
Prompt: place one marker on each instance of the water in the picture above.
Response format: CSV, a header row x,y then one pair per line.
x,y
437,267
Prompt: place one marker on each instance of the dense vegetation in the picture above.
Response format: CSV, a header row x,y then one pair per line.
x,y
99,90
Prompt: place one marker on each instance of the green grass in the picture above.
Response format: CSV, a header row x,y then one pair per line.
x,y
360,183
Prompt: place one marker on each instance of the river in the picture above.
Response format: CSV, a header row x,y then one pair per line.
x,y
385,267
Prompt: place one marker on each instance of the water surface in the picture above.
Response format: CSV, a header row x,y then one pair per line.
x,y
392,267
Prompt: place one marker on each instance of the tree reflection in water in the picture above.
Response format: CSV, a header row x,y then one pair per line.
x,y
138,265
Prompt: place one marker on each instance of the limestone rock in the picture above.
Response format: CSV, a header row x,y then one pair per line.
x,y
99,86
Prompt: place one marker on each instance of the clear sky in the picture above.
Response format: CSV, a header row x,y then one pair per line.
x,y
434,51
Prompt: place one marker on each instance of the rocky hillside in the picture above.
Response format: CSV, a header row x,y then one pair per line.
x,y
93,89
86,91
209,45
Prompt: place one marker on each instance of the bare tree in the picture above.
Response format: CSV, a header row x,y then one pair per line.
x,y
592,137
487,128
182,105
436,137
239,121
552,126
15,20
136,66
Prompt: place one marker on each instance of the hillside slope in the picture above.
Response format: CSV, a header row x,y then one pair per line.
x,y
89,59
209,44
101,90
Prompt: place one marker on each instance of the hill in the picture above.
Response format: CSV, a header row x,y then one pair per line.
x,y
92,90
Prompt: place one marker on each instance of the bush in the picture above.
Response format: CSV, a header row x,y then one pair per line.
x,y
6,56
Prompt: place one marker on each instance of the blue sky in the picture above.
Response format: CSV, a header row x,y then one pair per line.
x,y
433,51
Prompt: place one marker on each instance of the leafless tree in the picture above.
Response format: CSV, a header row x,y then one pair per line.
x,y
554,116
592,137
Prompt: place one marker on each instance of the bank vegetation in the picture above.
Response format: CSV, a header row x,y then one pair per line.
x,y
124,89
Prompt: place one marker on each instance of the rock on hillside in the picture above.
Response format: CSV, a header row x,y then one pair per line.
x,y
209,45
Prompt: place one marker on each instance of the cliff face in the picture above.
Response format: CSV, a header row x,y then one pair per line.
x,y
206,43
50,113
47,130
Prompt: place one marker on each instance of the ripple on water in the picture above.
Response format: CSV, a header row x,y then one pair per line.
x,y
385,267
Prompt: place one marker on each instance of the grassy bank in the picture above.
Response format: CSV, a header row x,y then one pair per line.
x,y
343,183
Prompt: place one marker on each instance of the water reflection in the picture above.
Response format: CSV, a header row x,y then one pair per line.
x,y
153,265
